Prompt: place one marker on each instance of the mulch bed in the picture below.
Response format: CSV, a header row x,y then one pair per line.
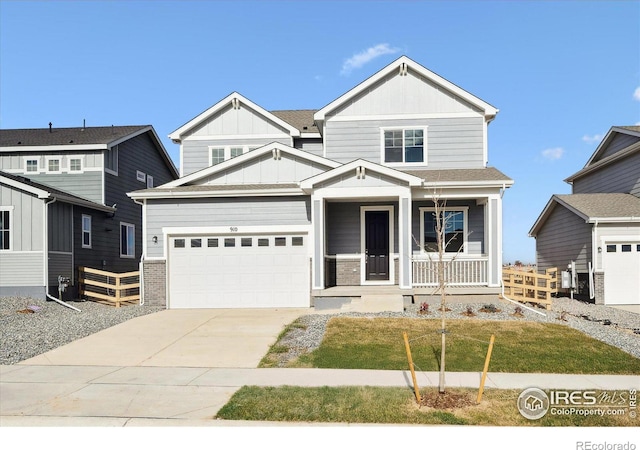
x,y
446,400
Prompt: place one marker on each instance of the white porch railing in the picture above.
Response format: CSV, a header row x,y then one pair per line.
x,y
461,271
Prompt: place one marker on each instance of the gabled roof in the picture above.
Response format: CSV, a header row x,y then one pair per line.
x,y
594,162
593,208
239,100
254,154
405,62
411,180
44,191
101,137
80,138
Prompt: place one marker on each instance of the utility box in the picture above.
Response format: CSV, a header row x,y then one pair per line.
x,y
566,279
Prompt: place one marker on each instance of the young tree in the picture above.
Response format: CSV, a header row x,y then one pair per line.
x,y
445,235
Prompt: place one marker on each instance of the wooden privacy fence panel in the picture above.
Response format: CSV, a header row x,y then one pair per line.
x,y
530,286
109,287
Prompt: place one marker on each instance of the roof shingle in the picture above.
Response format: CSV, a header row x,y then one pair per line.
x,y
65,136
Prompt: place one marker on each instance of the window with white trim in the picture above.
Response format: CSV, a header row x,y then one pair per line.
x,y
31,165
403,145
75,165
6,228
221,154
454,224
53,165
127,240
217,155
86,231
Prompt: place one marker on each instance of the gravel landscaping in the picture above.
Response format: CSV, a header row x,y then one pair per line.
x,y
615,327
29,327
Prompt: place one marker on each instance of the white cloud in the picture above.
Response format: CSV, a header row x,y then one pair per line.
x,y
553,153
591,139
360,59
636,94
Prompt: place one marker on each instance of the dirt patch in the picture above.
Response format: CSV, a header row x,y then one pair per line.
x,y
447,400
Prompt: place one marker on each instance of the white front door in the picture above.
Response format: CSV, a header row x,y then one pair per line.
x,y
239,271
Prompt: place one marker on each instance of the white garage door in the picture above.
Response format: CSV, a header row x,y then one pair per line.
x,y
249,271
622,273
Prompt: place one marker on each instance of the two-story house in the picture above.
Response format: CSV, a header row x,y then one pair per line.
x,y
63,202
597,226
277,208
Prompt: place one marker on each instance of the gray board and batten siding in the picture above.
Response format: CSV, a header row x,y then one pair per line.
x,y
196,154
28,217
266,170
212,212
619,176
450,143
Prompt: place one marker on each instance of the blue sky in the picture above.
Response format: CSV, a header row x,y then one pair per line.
x,y
561,73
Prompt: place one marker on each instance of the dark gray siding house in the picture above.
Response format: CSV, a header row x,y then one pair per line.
x,y
597,227
64,205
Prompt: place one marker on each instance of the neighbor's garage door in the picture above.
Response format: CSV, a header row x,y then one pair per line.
x,y
622,273
251,271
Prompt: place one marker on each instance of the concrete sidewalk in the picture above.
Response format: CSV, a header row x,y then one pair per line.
x,y
163,396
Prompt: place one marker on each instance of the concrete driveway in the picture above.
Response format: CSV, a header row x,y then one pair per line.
x,y
179,338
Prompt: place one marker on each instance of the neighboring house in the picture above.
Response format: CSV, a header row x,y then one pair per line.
x,y
63,202
598,225
277,208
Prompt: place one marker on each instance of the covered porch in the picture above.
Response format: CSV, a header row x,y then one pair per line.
x,y
376,234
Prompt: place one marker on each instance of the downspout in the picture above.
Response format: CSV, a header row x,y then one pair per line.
x,y
144,247
46,257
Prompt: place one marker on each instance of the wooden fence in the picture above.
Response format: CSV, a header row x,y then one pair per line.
x,y
530,286
108,287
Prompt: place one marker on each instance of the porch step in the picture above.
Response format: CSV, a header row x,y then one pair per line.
x,y
372,303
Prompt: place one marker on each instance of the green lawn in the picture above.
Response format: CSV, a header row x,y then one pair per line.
x,y
391,406
520,347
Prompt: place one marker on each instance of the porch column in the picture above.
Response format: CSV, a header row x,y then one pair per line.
x,y
317,256
404,242
494,212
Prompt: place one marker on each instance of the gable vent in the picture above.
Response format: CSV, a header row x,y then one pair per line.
x,y
403,69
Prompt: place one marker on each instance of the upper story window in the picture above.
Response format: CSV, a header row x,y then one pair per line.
x,y
217,155
53,165
454,225
220,154
31,165
75,165
6,227
111,160
404,146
